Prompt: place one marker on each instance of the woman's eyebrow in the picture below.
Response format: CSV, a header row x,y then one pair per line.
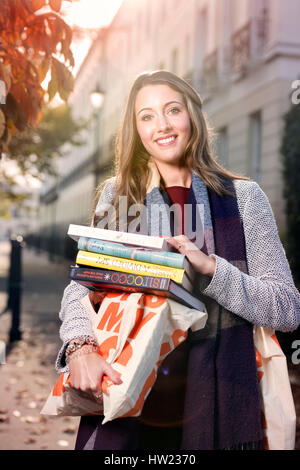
x,y
165,105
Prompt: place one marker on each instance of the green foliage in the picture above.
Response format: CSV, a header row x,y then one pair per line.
x,y
290,150
35,150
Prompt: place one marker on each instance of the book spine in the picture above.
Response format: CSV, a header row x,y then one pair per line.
x,y
118,279
175,260
131,266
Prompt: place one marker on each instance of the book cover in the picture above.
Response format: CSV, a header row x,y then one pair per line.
x,y
136,239
99,260
166,258
100,278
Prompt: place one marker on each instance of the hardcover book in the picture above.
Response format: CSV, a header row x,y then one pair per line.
x,y
96,279
136,239
99,260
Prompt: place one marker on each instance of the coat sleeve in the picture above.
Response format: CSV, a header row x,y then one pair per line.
x,y
267,296
75,319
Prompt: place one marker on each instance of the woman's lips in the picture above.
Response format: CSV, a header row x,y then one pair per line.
x,y
165,141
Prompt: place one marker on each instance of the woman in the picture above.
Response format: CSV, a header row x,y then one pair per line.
x,y
206,393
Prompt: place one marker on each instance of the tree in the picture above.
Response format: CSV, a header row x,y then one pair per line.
x,y
34,152
290,150
34,40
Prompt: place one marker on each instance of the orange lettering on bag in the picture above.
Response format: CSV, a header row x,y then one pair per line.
x,y
107,345
178,337
260,375
164,349
140,322
142,397
151,303
58,388
125,355
107,382
258,359
274,338
110,317
112,295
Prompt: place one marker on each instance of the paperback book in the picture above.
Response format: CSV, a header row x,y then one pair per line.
x,y
166,258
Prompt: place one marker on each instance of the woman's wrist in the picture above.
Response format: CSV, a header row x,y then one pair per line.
x,y
79,343
211,266
85,349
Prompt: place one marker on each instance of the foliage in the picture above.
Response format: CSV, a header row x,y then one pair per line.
x,y
35,150
290,150
34,40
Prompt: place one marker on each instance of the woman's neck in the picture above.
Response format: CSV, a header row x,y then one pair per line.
x,y
175,176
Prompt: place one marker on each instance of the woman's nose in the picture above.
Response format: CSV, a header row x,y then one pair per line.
x,y
163,123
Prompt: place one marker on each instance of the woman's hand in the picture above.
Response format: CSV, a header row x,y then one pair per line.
x,y
87,370
200,261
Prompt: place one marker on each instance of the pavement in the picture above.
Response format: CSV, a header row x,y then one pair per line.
x,y
28,374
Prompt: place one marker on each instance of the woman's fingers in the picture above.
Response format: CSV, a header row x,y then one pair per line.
x,y
112,374
87,371
182,244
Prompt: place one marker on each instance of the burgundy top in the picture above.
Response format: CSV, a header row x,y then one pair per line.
x,y
178,195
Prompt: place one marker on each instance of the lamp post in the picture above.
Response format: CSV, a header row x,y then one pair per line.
x,y
97,98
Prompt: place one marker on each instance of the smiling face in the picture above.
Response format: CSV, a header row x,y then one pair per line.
x,y
163,123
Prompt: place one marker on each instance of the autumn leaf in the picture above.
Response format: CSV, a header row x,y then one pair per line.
x,y
29,43
34,5
43,69
2,123
55,4
52,85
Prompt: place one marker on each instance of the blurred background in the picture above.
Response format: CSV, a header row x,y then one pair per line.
x,y
242,56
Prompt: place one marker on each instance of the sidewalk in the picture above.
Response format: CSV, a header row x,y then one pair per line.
x,y
28,374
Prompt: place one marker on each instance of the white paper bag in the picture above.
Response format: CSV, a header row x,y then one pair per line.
x,y
135,333
278,410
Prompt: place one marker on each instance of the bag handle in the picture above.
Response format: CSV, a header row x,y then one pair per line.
x,y
266,342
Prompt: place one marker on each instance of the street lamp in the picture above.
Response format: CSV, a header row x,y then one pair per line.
x,y
97,97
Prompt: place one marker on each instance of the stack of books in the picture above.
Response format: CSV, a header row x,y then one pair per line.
x,y
131,262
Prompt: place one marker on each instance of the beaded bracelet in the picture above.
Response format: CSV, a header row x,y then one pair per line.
x,y
77,343
88,349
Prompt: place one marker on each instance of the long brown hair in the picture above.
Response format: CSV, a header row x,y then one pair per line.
x,y
131,158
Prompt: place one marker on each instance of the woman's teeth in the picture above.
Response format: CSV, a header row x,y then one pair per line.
x,y
166,141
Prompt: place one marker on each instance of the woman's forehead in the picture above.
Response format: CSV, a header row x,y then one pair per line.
x,y
156,94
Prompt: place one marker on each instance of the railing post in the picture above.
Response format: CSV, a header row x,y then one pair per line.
x,y
15,287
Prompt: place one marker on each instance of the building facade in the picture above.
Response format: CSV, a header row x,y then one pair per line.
x,y
240,55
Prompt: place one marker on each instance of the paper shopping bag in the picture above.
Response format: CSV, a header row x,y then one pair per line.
x,y
135,332
277,404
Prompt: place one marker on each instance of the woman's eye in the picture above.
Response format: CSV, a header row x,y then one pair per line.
x,y
174,110
146,117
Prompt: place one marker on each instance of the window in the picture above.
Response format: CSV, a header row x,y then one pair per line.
x,y
255,132
222,147
186,53
201,38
